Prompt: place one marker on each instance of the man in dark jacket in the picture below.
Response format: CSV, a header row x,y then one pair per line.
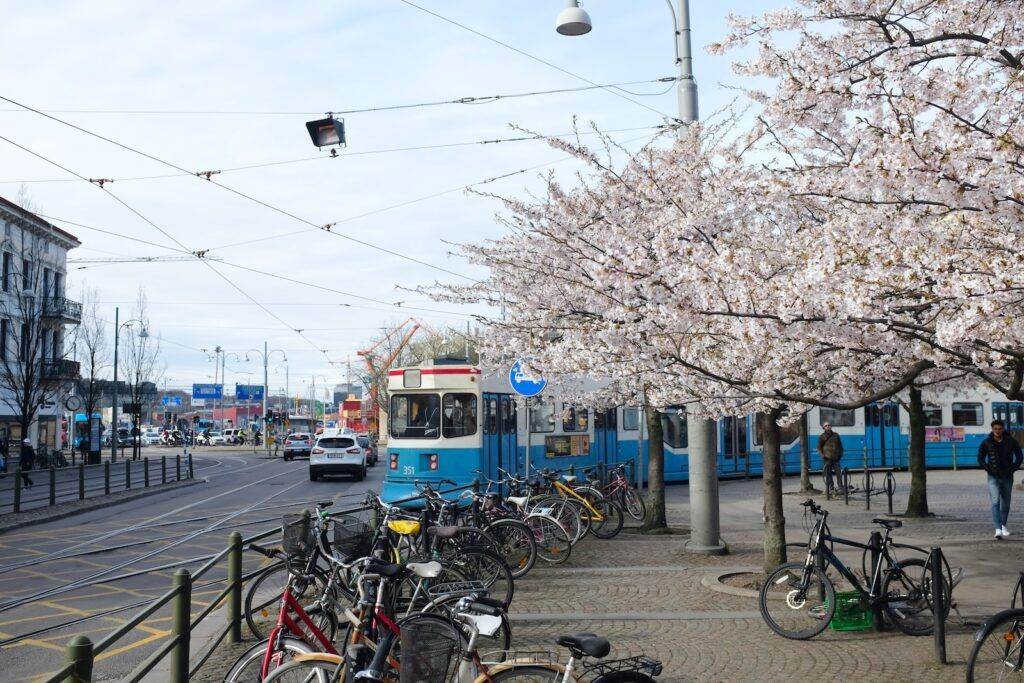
x,y
27,462
830,447
1000,455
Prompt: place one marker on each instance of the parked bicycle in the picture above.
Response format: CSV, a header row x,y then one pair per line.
x,y
998,652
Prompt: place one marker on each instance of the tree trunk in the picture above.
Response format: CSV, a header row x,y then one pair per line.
x,y
774,518
917,504
805,458
655,519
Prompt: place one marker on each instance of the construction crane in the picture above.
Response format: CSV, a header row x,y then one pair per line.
x,y
375,368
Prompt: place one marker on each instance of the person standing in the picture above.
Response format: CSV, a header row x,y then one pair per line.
x,y
27,462
830,447
1000,456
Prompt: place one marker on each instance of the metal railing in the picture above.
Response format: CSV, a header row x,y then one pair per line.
x,y
61,369
63,308
91,481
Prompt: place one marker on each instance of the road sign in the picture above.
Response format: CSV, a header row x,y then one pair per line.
x,y
171,400
249,392
198,402
73,403
207,391
524,384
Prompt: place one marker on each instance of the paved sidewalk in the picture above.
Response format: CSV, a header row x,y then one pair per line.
x,y
645,593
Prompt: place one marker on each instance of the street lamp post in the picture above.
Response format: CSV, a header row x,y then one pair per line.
x,y
265,355
113,409
705,536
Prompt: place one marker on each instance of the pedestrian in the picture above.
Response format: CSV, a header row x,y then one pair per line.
x,y
1000,456
830,447
28,461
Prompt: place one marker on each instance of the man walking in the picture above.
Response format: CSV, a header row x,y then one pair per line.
x,y
27,462
830,447
1000,455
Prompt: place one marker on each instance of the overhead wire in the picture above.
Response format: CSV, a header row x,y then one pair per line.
x,y
535,58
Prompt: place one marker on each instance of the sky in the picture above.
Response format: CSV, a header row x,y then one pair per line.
x,y
250,74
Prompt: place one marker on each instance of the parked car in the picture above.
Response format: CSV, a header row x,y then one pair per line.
x,y
297,444
369,448
337,455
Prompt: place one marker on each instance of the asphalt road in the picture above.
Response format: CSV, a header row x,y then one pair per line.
x,y
76,567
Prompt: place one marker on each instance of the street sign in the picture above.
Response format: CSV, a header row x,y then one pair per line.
x,y
171,400
198,402
249,392
208,391
523,384
73,403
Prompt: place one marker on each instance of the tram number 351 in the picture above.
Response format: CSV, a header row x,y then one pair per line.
x,y
408,470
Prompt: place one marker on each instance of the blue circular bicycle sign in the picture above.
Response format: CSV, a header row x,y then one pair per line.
x,y
523,384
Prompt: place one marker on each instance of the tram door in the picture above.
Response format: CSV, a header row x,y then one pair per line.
x,y
499,434
881,437
606,438
733,445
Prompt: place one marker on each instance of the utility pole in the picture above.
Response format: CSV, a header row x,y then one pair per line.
x,y
266,390
113,407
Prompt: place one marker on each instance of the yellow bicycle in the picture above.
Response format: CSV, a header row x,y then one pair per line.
x,y
582,508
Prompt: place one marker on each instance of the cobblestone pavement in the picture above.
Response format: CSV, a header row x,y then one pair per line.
x,y
645,593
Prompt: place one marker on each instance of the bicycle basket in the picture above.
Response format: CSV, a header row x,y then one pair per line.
x,y
428,650
352,537
296,535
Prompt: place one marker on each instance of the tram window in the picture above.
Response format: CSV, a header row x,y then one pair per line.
x,y
630,419
967,415
932,416
542,417
836,418
508,416
673,427
458,415
491,416
415,416
788,433
574,419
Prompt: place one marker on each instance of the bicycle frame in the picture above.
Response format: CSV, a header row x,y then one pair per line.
x,y
567,492
821,550
284,621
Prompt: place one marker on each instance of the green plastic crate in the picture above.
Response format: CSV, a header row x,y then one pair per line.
x,y
849,615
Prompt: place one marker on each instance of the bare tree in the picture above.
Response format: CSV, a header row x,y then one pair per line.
x,y
92,350
141,367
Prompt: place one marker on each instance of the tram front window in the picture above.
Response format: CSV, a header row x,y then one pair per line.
x,y
459,415
415,416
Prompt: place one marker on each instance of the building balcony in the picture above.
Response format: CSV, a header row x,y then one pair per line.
x,y
61,369
60,308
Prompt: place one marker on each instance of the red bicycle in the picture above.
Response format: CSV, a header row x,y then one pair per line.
x,y
621,491
296,632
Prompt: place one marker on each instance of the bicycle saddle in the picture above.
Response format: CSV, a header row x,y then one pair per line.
x,y
587,643
384,568
518,501
405,527
888,523
443,531
425,570
570,478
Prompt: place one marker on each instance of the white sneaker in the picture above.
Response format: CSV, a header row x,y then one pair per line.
x,y
999,534
1006,532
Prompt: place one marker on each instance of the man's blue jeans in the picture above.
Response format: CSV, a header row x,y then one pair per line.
x,y
999,490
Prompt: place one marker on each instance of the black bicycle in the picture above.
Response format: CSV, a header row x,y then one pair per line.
x,y
998,652
798,599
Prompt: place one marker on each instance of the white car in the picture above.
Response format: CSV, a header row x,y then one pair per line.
x,y
151,437
216,439
335,454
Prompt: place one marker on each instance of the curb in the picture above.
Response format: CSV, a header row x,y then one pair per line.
x,y
90,505
713,581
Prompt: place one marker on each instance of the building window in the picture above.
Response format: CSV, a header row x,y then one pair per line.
x,y
673,427
630,419
932,416
24,342
4,334
7,270
574,419
58,284
458,415
542,418
967,415
46,282
26,274
836,418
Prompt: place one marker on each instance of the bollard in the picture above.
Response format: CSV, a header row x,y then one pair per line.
x,y
867,489
79,652
890,488
145,472
938,603
17,489
846,485
163,469
177,466
106,478
181,608
81,481
127,473
73,463
53,485
875,545
191,472
235,581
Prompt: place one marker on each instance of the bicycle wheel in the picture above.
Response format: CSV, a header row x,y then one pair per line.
x,y
608,522
998,652
478,564
264,595
633,503
246,668
909,587
515,544
305,672
567,513
528,673
793,612
553,543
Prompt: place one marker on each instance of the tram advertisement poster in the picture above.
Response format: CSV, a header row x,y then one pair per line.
x,y
937,434
567,446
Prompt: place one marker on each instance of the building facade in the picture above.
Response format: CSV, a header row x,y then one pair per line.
x,y
36,368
